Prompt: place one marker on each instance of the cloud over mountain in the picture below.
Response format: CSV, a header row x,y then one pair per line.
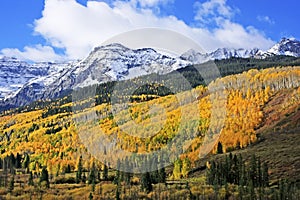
x,y
77,28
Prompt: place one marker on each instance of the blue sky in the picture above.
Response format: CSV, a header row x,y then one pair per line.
x,y
41,30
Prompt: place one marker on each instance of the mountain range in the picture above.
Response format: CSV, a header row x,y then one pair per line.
x,y
22,82
286,47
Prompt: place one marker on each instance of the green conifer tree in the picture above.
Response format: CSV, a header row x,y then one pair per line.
x,y
146,184
79,170
44,178
30,180
11,184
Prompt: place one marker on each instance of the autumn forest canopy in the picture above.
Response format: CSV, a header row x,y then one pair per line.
x,y
46,140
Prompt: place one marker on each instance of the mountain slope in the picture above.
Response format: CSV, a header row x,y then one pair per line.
x,y
261,114
115,62
278,139
105,63
16,75
287,47
22,83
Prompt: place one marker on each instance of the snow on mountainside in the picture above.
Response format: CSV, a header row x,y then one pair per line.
x,y
15,74
287,47
117,62
221,53
113,62
105,63
22,82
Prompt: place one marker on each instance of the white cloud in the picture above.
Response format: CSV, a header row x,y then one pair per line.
x,y
266,19
77,29
213,10
235,35
151,3
37,53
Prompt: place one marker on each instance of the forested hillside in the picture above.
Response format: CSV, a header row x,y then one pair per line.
x,y
45,141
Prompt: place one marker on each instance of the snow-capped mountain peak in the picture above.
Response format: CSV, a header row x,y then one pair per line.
x,y
117,62
287,46
221,53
